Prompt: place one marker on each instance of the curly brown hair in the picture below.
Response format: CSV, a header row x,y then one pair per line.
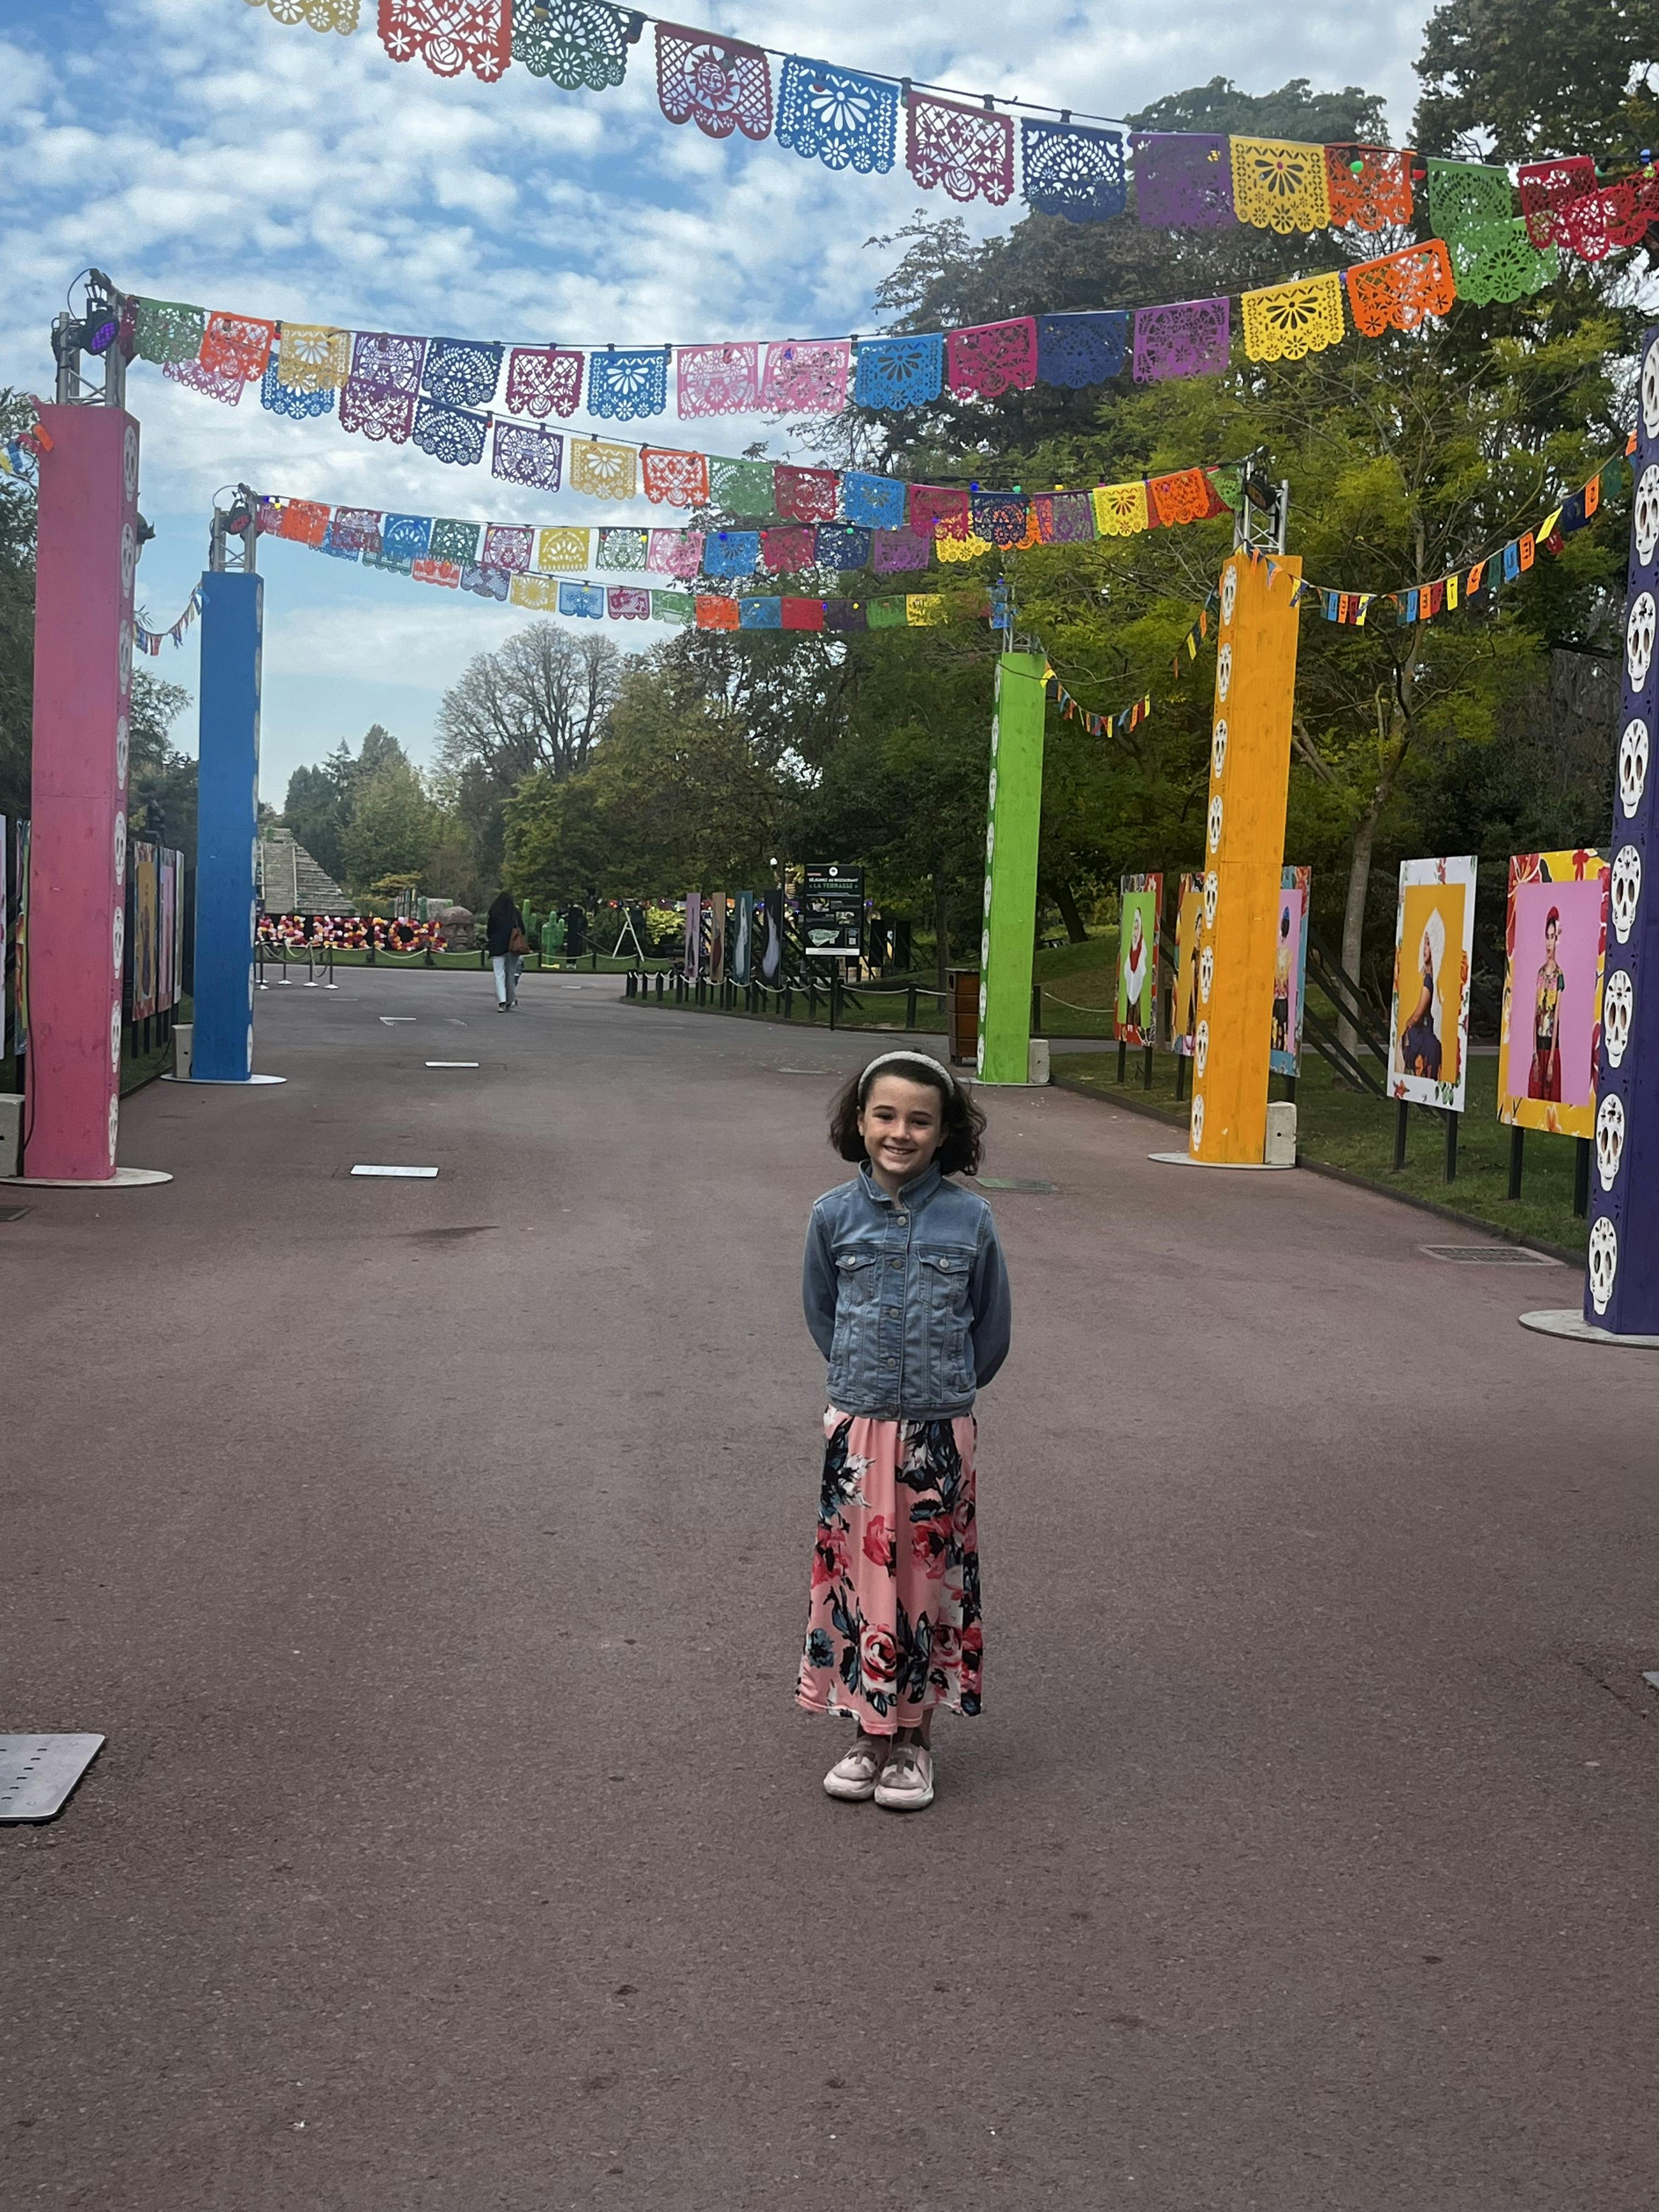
x,y
962,1143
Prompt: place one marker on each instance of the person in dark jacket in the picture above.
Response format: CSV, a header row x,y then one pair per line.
x,y
504,932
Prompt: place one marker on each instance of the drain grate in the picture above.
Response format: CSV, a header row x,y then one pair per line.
x,y
1014,1182
1490,1255
16,1212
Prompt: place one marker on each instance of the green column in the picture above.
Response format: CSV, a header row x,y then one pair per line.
x,y
1011,864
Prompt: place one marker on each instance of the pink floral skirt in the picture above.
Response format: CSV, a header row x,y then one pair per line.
x,y
894,1627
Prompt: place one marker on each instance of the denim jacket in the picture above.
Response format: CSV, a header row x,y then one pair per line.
x,y
906,1297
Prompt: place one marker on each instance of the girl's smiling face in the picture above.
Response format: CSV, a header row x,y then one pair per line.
x,y
902,1124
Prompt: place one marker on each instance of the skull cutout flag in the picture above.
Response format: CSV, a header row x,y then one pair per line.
x,y
1621,1291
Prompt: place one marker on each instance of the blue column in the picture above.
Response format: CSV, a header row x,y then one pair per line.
x,y
228,826
1622,1293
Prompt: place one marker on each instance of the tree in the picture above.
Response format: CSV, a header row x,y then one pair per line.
x,y
1517,80
160,780
392,819
16,619
538,703
679,792
317,810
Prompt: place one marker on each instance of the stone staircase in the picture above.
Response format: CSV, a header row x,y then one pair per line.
x,y
290,881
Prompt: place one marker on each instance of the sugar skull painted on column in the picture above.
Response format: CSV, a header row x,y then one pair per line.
x,y
1621,1292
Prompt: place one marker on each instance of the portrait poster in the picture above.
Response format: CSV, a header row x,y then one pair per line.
x,y
772,943
1428,1020
743,934
1141,905
169,863
145,901
1289,970
1183,996
20,947
693,961
1555,942
714,912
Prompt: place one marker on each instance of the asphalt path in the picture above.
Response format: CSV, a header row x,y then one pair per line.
x,y
435,1556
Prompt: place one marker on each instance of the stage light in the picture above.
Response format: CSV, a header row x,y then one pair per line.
x,y
102,325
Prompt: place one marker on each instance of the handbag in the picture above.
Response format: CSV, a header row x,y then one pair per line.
x,y
518,943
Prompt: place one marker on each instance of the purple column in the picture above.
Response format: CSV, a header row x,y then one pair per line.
x,y
1622,1293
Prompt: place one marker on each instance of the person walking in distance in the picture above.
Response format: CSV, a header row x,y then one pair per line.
x,y
905,1295
504,932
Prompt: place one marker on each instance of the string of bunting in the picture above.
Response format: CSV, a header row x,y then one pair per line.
x,y
150,641
954,526
440,393
1412,602
963,143
581,598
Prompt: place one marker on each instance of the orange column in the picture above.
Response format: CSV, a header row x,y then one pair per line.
x,y
1243,853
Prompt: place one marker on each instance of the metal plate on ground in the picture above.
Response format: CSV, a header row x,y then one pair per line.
x,y
38,1772
1224,1167
1490,1256
1014,1182
1569,1322
414,1174
119,1179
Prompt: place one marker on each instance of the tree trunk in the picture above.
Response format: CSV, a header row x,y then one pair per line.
x,y
1069,914
941,933
1353,915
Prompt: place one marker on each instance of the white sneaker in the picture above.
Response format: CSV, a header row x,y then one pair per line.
x,y
854,1776
906,1780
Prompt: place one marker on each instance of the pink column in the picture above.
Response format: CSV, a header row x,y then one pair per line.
x,y
88,550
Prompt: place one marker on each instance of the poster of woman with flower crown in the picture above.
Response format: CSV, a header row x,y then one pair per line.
x,y
1555,940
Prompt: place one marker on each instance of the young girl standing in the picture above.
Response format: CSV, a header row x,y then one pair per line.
x,y
906,1297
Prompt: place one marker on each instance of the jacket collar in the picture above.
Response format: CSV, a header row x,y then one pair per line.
x,y
914,1194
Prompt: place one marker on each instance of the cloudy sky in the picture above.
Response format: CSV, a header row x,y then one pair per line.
x,y
199,150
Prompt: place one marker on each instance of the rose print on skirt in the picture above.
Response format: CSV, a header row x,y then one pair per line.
x,y
894,1627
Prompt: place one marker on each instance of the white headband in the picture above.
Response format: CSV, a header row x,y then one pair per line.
x,y
908,1059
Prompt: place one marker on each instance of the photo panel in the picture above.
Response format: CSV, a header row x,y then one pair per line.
x,y
1555,942
1289,970
1183,996
1429,1021
1141,906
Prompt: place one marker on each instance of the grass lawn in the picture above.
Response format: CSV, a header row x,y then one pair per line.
x,y
1352,1130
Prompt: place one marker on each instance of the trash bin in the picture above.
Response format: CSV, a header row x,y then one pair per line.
x,y
962,1015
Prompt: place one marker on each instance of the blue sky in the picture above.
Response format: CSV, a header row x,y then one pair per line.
x,y
198,149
